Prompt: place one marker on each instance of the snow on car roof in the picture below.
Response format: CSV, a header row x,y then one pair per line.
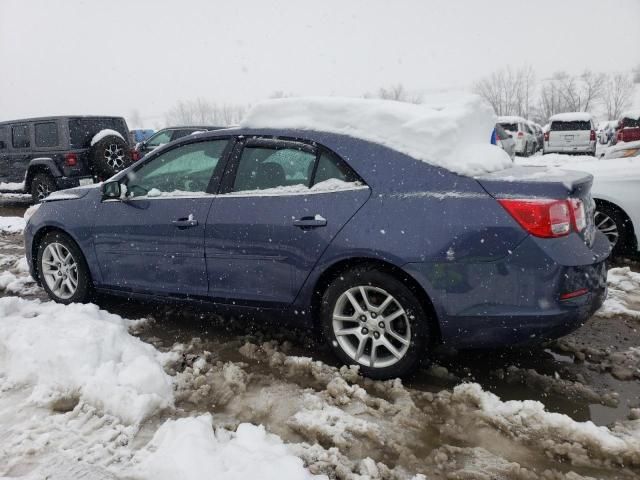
x,y
634,114
571,117
452,132
511,119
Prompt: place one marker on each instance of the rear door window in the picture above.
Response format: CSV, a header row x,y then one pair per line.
x,y
331,167
159,138
20,136
46,134
512,127
571,126
267,167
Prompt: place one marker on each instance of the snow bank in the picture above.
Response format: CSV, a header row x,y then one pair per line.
x,y
623,285
11,186
107,132
449,132
80,352
12,224
190,449
571,117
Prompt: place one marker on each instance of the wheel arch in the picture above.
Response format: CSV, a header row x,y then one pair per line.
x,y
37,238
40,165
334,270
629,223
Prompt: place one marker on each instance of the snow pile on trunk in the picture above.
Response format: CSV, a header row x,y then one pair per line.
x,y
12,224
190,449
107,132
81,353
449,132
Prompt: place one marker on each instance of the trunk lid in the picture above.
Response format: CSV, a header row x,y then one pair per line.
x,y
523,182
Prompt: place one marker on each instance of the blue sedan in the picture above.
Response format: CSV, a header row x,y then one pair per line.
x,y
386,254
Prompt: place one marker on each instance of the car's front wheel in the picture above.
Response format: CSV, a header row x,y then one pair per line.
x,y
373,320
62,269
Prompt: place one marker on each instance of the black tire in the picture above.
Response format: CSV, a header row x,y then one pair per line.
x,y
42,184
418,334
109,156
83,277
525,150
625,243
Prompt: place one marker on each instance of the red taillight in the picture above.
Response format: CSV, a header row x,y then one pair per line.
x,y
520,134
70,159
546,136
592,138
135,155
577,293
542,218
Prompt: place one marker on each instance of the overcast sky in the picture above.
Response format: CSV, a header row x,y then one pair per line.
x,y
114,57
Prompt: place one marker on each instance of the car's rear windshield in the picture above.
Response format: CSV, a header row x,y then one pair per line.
x,y
512,127
82,130
631,123
575,125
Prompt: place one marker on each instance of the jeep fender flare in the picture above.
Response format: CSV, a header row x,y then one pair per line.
x,y
41,164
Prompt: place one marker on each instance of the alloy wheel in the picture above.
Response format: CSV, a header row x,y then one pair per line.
x,y
114,155
60,270
42,191
371,326
608,226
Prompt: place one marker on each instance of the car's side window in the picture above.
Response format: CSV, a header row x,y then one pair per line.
x,y
332,167
185,169
20,136
159,138
46,134
262,168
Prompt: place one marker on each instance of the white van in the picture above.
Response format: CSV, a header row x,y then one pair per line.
x,y
572,132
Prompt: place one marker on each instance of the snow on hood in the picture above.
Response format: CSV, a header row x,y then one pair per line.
x,y
452,132
571,117
105,133
79,351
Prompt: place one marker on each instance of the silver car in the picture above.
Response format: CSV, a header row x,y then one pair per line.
x,y
505,141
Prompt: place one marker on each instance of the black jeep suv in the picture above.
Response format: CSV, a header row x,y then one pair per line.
x,y
41,155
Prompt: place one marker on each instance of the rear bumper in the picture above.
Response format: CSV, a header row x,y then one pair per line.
x,y
517,300
571,149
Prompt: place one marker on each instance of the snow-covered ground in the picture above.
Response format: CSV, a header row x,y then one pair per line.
x,y
131,391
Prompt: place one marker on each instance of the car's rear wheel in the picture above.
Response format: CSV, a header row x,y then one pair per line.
x,y
62,269
41,186
616,227
373,320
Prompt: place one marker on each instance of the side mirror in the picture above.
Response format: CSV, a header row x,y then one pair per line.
x,y
112,190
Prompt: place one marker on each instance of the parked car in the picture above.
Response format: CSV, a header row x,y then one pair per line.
x,y
140,135
539,134
41,155
526,143
166,135
388,255
628,129
616,183
504,140
606,131
572,132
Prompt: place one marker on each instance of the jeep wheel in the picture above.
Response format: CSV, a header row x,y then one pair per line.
x,y
41,186
109,156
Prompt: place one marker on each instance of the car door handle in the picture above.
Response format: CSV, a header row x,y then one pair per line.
x,y
310,222
185,223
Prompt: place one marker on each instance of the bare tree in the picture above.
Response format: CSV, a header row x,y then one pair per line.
x,y
617,94
580,93
509,91
636,74
396,92
203,112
